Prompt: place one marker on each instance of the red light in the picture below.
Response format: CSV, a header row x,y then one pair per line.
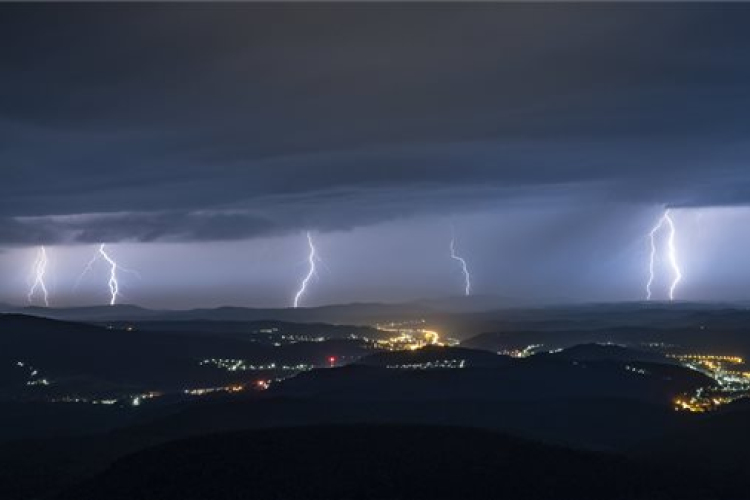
x,y
332,359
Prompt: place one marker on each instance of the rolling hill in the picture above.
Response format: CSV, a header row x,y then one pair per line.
x,y
374,462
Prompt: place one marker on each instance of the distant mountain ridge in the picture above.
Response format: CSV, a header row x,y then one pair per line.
x,y
335,314
481,309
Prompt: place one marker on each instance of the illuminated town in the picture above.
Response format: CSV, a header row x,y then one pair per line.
x,y
234,365
408,336
731,385
523,352
431,365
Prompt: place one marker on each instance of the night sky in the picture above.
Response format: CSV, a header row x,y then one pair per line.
x,y
200,142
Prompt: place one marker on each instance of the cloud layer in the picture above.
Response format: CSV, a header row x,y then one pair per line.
x,y
219,122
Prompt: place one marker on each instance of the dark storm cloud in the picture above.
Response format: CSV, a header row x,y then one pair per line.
x,y
197,121
28,234
145,227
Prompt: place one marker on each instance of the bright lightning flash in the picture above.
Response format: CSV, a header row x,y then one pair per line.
x,y
672,256
312,257
113,283
114,286
37,273
665,219
464,267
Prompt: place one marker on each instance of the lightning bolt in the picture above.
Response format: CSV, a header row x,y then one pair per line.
x,y
114,286
652,257
113,283
311,258
672,256
665,219
462,261
38,270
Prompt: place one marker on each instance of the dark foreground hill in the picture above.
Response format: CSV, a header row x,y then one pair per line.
x,y
532,379
608,352
721,444
32,468
374,462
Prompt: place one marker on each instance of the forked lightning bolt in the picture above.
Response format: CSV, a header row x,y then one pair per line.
x,y
37,273
464,267
113,283
311,258
665,219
